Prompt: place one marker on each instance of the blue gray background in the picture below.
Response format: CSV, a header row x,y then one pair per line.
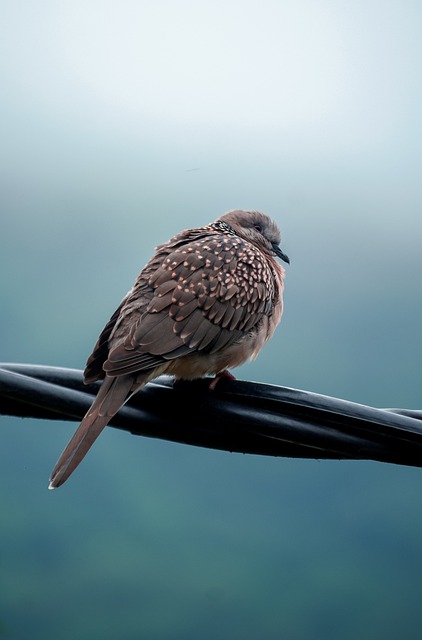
x,y
121,124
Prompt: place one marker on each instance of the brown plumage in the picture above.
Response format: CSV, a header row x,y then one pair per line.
x,y
208,300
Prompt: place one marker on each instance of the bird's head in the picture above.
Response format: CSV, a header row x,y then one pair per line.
x,y
257,228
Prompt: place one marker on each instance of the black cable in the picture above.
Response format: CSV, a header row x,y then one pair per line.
x,y
237,416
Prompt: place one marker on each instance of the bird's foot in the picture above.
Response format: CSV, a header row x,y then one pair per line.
x,y
223,374
181,382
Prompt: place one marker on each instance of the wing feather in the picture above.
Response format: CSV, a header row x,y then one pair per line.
x,y
200,296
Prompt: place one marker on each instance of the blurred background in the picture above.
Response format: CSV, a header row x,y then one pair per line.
x,y
121,124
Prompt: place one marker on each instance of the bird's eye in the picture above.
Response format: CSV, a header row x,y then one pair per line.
x,y
258,228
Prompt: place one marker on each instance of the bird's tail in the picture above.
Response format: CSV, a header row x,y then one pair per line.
x,y
112,395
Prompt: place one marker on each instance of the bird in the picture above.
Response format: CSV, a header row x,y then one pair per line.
x,y
208,300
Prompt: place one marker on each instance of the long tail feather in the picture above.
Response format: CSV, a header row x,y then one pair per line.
x,y
111,396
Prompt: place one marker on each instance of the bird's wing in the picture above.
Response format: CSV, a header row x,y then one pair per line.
x,y
204,296
94,367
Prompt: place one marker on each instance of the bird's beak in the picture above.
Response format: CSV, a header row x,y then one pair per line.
x,y
278,252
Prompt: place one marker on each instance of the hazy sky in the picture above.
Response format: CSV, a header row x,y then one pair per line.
x,y
347,71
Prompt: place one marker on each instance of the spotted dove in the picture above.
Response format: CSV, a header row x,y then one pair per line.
x,y
208,300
